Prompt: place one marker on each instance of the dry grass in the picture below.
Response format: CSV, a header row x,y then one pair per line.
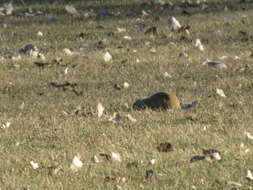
x,y
49,131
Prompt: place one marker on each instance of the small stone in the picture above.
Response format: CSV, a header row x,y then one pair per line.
x,y
107,57
125,85
68,51
199,45
76,163
95,159
39,33
220,92
152,161
34,165
174,24
127,37
116,157
100,109
249,175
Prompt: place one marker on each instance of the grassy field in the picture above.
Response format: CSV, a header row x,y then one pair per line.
x,y
50,125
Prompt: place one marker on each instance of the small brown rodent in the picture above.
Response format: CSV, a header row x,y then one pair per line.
x,y
160,100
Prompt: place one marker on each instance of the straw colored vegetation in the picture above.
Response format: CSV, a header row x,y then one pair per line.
x,y
51,106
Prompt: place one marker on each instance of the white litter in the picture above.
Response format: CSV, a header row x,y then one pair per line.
x,y
100,109
107,57
220,92
116,157
199,45
174,24
76,163
34,165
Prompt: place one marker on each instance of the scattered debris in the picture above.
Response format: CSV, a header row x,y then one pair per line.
x,y
165,147
197,158
100,109
95,159
127,37
234,184
106,156
120,30
39,33
248,135
125,85
68,52
215,64
7,9
183,54
152,161
167,75
107,57
116,157
34,165
220,92
76,163
131,118
29,49
116,118
72,10
199,45
6,125
174,24
189,106
149,174
249,175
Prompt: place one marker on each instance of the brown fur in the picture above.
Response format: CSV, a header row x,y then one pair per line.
x,y
160,100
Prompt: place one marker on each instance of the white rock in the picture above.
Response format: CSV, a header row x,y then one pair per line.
x,y
152,162
174,24
68,51
125,85
116,157
100,109
8,8
107,57
76,163
216,156
249,175
131,118
95,159
39,33
199,45
6,125
71,10
137,61
34,165
121,30
248,135
127,37
144,13
167,75
220,92
233,183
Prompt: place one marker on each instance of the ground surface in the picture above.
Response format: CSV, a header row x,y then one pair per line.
x,y
47,128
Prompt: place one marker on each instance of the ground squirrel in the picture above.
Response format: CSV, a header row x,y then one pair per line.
x,y
160,100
